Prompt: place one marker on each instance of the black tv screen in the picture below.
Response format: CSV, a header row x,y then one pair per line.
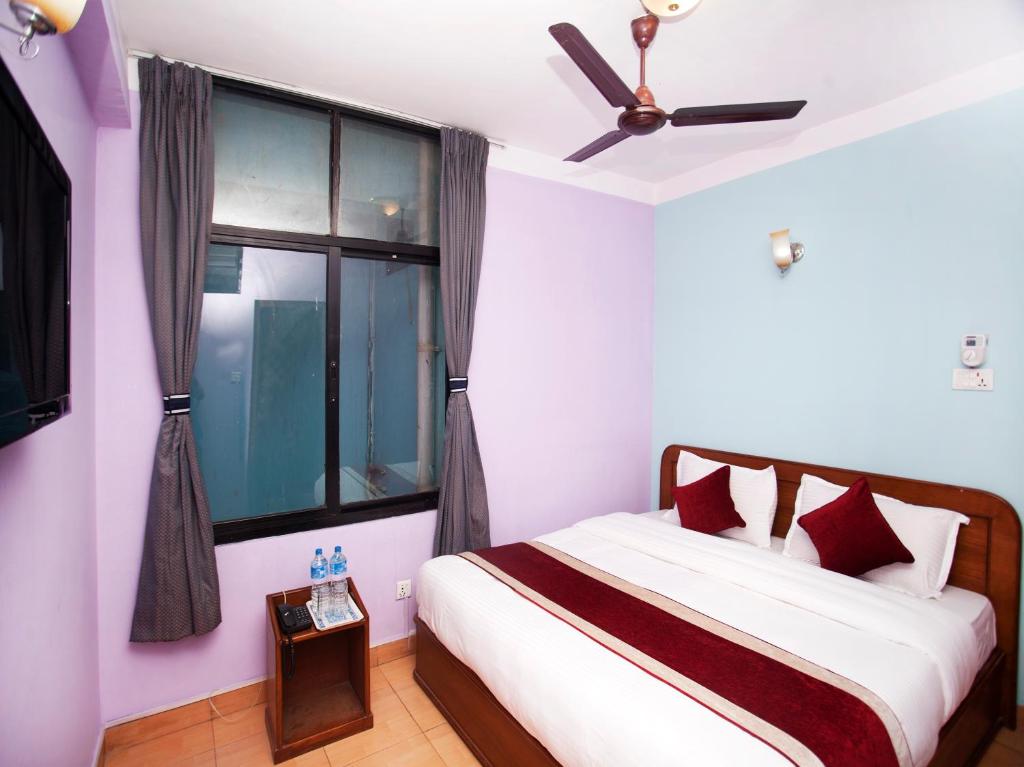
x,y
35,220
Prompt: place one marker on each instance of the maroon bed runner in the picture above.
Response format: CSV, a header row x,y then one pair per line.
x,y
808,714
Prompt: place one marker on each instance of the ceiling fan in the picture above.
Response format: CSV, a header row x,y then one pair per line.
x,y
641,115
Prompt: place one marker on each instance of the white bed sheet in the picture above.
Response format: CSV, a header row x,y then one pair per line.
x,y
970,606
590,707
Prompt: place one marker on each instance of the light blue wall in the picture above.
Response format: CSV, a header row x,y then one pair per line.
x,y
914,237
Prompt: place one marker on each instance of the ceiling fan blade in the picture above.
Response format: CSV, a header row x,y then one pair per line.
x,y
737,113
593,66
606,141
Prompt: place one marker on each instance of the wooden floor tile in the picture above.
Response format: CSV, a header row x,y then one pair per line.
x,y
420,706
150,727
239,725
205,759
399,672
251,751
378,681
254,751
399,675
449,745
1012,738
172,748
413,752
242,698
378,692
392,724
999,755
316,758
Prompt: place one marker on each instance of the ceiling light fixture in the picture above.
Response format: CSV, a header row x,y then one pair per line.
x,y
666,9
42,17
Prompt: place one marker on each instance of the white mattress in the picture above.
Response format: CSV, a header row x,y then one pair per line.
x,y
920,656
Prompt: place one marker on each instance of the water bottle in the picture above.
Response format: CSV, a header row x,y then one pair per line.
x,y
318,574
339,585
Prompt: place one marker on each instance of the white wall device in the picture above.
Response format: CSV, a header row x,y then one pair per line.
x,y
972,350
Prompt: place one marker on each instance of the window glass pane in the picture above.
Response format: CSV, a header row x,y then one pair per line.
x,y
272,164
389,183
258,386
392,379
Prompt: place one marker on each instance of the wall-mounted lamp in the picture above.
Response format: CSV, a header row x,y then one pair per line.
x,y
389,206
784,252
42,17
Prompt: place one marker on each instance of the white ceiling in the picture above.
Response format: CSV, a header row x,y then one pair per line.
x,y
493,68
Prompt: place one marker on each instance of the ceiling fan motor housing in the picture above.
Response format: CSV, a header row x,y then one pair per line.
x,y
641,120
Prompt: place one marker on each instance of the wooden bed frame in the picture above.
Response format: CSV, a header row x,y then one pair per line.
x,y
987,560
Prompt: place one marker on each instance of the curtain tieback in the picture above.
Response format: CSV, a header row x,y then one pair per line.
x,y
457,384
177,404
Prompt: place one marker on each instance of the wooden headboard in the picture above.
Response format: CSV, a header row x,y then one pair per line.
x,y
987,557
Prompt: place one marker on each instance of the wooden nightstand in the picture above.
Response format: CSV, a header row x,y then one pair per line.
x,y
328,697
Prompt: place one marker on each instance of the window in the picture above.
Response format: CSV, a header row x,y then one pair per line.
x,y
319,390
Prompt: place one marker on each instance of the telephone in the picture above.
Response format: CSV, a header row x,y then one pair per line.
x,y
972,350
292,618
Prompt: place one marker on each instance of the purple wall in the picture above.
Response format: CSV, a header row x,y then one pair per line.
x,y
49,704
560,380
565,293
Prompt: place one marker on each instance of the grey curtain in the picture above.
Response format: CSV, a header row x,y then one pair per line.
x,y
178,592
462,515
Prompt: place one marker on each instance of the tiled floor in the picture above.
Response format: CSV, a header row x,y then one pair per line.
x,y
1008,749
408,731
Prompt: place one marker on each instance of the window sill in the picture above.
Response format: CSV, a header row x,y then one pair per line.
x,y
237,530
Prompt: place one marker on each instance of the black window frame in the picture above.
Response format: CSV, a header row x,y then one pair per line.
x,y
335,247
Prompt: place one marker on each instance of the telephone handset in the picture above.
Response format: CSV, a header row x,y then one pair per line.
x,y
293,618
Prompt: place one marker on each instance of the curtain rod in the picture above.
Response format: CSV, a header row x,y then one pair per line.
x,y
291,88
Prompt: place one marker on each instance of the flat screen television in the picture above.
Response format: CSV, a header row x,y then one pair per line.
x,y
35,226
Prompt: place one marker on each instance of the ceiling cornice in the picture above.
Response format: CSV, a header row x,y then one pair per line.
x,y
972,86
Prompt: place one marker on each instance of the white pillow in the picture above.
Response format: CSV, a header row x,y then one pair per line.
x,y
928,532
754,493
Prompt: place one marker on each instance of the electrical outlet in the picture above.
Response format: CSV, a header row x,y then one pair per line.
x,y
973,379
404,590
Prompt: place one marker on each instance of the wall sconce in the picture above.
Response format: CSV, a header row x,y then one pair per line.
x,y
42,17
784,252
389,206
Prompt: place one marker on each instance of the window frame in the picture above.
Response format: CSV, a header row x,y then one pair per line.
x,y
335,247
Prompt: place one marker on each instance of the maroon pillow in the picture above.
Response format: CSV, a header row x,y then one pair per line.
x,y
706,505
851,535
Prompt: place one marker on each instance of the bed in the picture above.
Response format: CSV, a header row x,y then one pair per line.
x,y
523,688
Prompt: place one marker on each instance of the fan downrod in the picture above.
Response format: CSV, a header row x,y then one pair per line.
x,y
646,117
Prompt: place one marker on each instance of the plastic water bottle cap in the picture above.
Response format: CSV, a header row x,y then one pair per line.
x,y
337,549
319,552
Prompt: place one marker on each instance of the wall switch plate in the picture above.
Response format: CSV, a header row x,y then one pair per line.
x,y
973,379
404,590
